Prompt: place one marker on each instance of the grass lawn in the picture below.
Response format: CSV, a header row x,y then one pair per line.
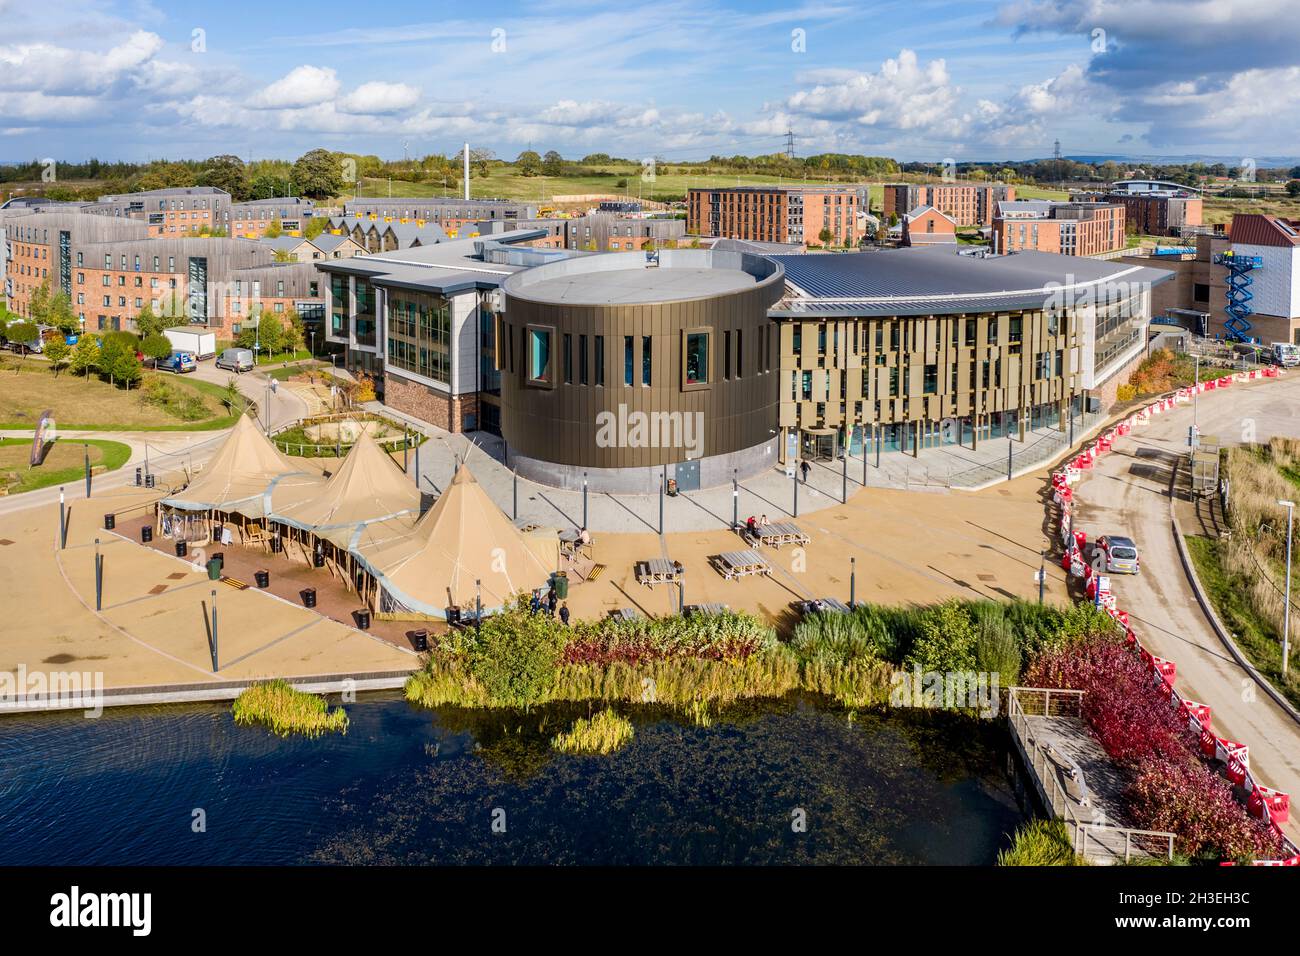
x,y
278,357
64,463
81,403
1229,593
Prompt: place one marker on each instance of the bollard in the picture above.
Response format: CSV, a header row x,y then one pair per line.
x,y
99,578
853,581
215,666
63,523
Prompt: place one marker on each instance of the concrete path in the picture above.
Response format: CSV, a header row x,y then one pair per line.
x,y
1127,493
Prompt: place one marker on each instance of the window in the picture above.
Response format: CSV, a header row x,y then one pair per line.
x,y
539,355
568,358
582,360
646,366
629,359
931,379
695,358
599,360
726,355
740,353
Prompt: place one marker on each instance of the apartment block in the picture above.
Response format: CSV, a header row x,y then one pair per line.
x,y
967,204
803,215
251,219
1155,208
1064,228
168,212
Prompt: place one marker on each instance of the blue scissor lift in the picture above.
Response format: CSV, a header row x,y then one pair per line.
x,y
1239,295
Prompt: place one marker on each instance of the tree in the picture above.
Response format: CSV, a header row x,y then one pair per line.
x,y
110,356
480,159
293,331
226,172
315,226
284,255
23,333
230,396
157,347
38,307
56,352
825,236
148,323
529,163
85,355
552,163
1293,188
273,230
265,186
318,174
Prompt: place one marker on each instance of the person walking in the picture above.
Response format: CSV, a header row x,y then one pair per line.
x,y
551,600
564,614
535,603
804,468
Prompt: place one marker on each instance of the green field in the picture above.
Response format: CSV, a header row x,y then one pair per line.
x,y
64,463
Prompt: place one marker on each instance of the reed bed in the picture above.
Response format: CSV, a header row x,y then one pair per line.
x,y
286,711
602,734
1041,843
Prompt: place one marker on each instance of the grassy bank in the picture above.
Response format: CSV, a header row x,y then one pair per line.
x,y
1230,593
1041,843
64,463
520,659
601,734
285,711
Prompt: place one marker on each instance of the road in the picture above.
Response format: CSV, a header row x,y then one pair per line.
x,y
1127,493
286,407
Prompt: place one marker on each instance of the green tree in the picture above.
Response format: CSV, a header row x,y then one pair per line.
x,y
230,395
61,314
111,357
1293,188
273,229
38,307
552,163
265,186
226,172
23,333
149,323
56,352
293,331
481,159
529,163
515,657
825,236
156,346
315,226
85,355
318,174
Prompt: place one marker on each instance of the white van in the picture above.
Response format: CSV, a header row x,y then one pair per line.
x,y
236,360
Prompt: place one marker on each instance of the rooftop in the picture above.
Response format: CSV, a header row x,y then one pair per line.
x,y
624,279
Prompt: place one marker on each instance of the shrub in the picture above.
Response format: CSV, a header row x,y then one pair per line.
x,y
946,641
1126,393
515,655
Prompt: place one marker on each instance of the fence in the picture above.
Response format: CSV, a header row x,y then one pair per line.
x,y
1043,449
409,438
1099,842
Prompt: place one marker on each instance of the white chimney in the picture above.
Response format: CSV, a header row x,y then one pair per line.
x,y
466,163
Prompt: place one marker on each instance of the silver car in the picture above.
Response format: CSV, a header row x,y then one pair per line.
x,y
1119,554
236,360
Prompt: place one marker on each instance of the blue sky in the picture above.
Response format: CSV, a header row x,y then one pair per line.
x,y
914,79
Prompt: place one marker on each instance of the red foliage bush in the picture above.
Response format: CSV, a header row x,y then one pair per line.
x,y
1172,789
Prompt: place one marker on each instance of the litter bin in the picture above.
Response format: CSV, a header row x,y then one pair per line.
x,y
363,619
110,522
453,615
560,581
420,639
146,534
182,549
139,477
263,579
220,556
148,481
214,569
308,597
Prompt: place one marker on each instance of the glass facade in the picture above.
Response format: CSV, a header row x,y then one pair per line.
x,y
419,334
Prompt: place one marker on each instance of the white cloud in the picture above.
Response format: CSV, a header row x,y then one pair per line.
x,y
60,70
303,86
377,97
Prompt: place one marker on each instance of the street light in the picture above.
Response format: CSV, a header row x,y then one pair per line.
x,y
1286,613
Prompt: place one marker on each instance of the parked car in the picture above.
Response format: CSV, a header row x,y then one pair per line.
x,y
236,360
1119,555
177,362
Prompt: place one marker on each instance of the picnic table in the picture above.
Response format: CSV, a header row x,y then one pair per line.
x,y
775,534
624,614
739,564
704,610
830,605
569,545
658,571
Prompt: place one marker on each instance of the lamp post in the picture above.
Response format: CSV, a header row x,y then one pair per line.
x,y
1286,613
735,499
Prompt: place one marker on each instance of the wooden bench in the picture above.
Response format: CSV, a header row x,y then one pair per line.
x,y
658,571
739,564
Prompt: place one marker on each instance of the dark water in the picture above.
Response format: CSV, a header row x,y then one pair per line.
x,y
416,786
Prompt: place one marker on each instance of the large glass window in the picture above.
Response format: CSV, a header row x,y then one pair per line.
x,y
568,358
629,359
646,367
539,356
697,358
600,360
582,360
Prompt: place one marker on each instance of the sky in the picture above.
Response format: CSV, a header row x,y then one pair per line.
x,y
919,80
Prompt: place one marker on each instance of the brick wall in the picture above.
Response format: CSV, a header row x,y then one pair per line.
x,y
429,405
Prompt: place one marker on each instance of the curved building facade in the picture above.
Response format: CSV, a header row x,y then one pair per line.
x,y
617,370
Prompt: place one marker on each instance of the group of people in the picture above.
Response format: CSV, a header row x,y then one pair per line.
x,y
548,605
752,525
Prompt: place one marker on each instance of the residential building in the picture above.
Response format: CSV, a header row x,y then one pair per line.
x,y
1065,228
927,226
168,212
806,215
1154,207
251,219
967,204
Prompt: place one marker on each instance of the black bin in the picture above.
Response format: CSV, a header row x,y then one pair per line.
x,y
363,619
139,477
182,549
277,544
146,533
263,579
148,481
309,597
453,615
318,559
220,556
110,522
420,639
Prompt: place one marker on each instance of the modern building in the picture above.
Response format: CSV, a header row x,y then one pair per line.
x,y
251,219
1065,228
909,348
168,212
806,215
327,245
447,212
927,226
618,370
611,232
967,204
1153,207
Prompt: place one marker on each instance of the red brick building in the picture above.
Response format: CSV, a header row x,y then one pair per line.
x,y
1064,228
967,204
803,215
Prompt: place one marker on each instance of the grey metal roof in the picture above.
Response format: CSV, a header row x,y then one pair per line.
x,y
930,281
